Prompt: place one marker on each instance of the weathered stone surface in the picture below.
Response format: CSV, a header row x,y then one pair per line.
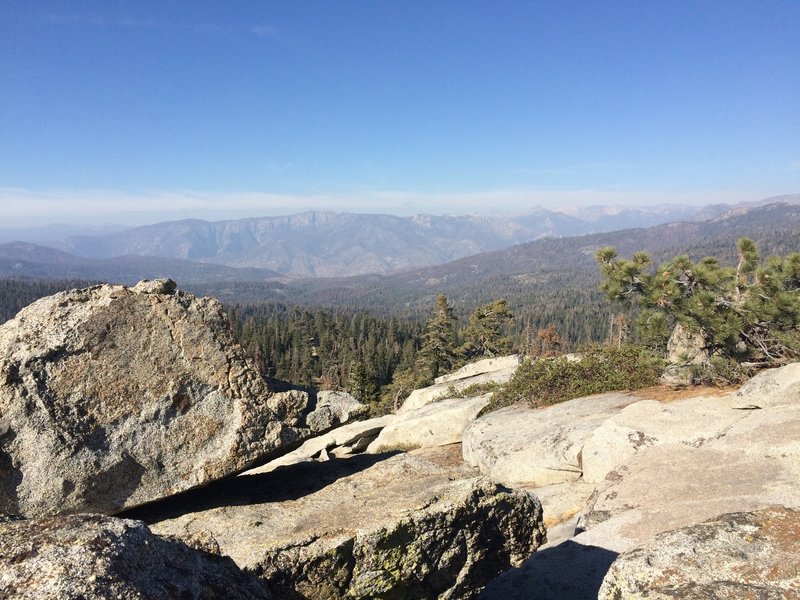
x,y
416,525
327,410
479,367
522,446
436,424
739,555
696,421
692,421
351,438
673,485
490,370
93,556
333,409
113,396
771,387
561,502
685,347
712,462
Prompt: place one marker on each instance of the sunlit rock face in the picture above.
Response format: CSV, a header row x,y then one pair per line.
x,y
112,396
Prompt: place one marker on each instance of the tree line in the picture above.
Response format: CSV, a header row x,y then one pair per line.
x,y
375,359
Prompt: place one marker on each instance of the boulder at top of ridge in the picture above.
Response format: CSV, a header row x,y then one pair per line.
x,y
113,396
94,556
479,367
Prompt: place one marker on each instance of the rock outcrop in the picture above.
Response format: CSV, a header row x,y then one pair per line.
x,y
528,447
685,347
93,556
436,424
318,414
347,440
667,466
488,370
417,525
738,555
738,452
693,422
112,396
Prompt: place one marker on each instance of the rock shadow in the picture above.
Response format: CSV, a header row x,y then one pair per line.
x,y
569,571
284,483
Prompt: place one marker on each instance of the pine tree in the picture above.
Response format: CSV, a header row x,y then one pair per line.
x,y
749,312
485,333
437,354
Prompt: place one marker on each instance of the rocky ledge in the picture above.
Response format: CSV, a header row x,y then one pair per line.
x,y
417,525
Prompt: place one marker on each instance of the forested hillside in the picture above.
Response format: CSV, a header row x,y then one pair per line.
x,y
16,294
357,333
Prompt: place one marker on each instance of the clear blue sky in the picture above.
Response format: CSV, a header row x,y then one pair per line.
x,y
140,111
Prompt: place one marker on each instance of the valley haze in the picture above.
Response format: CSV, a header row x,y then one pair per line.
x,y
336,244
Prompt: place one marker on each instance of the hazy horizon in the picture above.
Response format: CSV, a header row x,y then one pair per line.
x,y
124,219
137,113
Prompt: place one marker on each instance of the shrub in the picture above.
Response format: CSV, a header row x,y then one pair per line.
x,y
599,369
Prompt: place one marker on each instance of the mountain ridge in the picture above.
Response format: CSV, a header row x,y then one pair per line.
x,y
332,244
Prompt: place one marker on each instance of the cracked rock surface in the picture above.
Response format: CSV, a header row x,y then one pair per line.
x,y
736,555
417,525
94,556
113,396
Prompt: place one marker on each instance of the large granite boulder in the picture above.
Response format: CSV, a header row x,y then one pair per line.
x,y
486,371
685,347
738,555
93,556
412,525
534,447
113,396
436,424
332,409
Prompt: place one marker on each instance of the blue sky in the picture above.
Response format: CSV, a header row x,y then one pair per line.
x,y
141,111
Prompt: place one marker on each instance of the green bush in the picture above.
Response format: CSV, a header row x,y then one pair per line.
x,y
719,371
599,369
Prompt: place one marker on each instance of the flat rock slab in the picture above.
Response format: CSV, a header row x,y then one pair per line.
x,y
113,396
768,398
415,525
671,486
436,424
751,462
93,556
533,447
739,555
693,422
353,435
479,367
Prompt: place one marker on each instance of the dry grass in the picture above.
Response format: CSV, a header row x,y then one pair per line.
x,y
665,393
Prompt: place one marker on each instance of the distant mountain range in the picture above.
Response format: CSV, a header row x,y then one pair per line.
x,y
520,273
328,244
